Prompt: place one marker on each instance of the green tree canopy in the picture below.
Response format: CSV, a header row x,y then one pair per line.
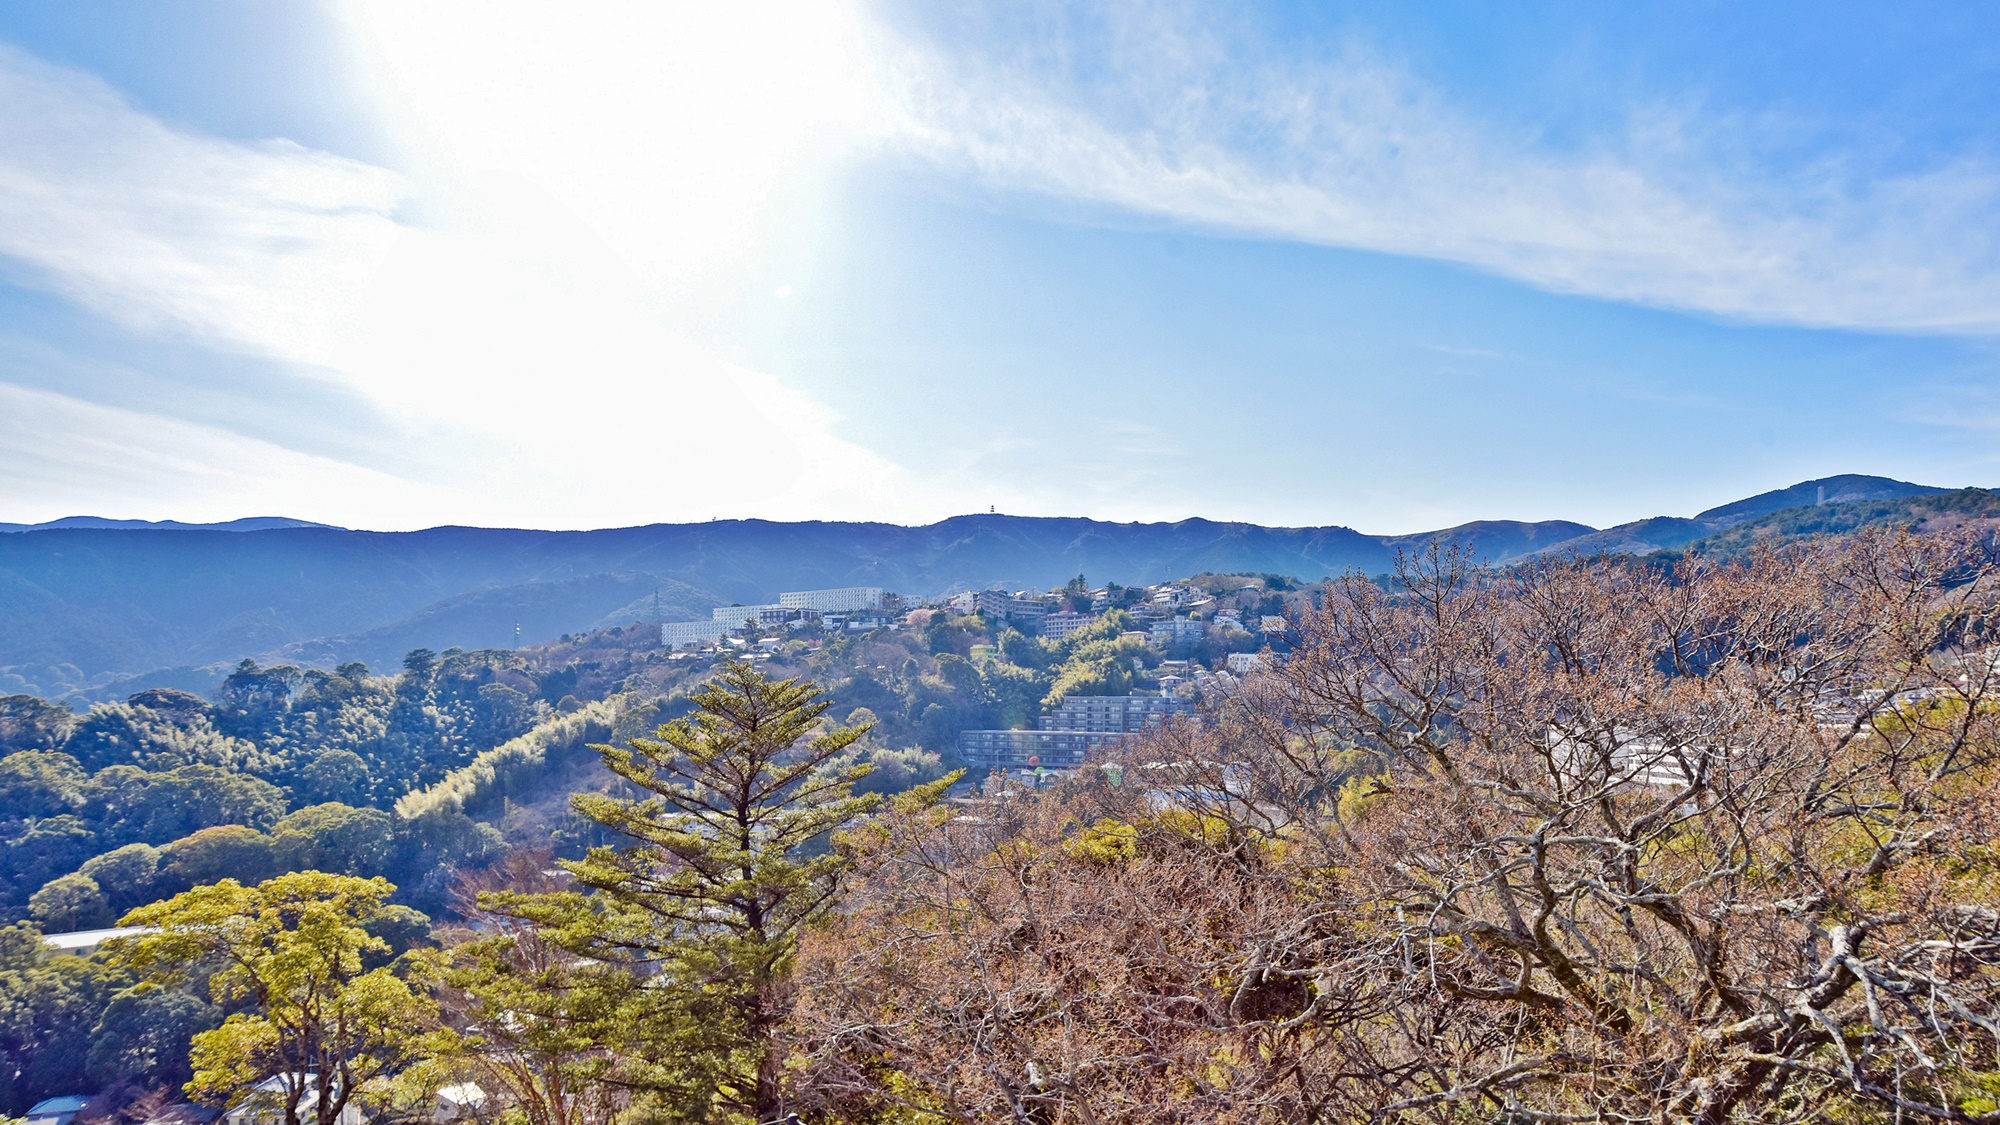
x,y
40,783
70,902
157,807
144,1036
48,1007
114,734
333,837
294,948
126,875
226,851
334,775
43,850
28,723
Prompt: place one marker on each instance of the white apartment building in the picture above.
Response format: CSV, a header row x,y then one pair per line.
x,y
674,634
1056,626
847,599
737,616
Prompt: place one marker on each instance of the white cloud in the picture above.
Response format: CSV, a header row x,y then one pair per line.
x,y
1351,152
507,332
63,457
259,247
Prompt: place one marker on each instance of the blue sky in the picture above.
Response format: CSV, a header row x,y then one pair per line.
x,y
1392,266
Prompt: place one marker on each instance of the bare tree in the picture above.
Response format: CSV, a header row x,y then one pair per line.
x,y
1585,840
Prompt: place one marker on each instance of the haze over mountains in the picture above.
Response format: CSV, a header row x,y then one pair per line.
x,y
94,608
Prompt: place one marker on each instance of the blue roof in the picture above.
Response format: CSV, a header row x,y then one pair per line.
x,y
68,1103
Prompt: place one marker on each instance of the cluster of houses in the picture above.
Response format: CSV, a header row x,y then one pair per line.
x,y
1169,616
1172,617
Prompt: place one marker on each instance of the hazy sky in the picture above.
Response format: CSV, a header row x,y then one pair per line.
x,y
392,264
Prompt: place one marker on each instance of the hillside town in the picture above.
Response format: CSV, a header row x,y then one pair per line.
x,y
1199,637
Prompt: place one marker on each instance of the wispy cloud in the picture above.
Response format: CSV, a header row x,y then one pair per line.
x,y
1184,123
61,457
256,247
510,337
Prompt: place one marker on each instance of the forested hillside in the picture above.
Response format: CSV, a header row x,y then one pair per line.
x,y
427,768
426,775
283,769
1414,866
94,612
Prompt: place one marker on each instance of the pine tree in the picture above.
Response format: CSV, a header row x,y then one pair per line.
x,y
730,860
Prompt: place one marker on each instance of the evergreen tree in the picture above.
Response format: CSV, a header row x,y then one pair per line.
x,y
729,863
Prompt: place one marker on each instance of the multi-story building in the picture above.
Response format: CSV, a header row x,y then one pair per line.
x,y
1027,749
1120,713
1242,663
1001,605
737,616
847,599
1056,626
1181,630
674,634
1081,724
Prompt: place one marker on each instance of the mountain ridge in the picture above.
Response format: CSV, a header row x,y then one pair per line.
x,y
87,606
1671,533
245,523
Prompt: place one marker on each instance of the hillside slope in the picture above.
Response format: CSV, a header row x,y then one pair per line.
x,y
85,606
1929,511
79,604
1673,533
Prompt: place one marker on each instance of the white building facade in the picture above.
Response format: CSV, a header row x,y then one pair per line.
x,y
674,634
847,599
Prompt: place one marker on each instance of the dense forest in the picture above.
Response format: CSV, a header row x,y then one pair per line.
x,y
1695,838
430,774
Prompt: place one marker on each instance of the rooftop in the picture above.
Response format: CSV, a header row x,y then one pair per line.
x,y
83,941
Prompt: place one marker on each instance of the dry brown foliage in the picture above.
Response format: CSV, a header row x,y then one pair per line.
x,y
1583,841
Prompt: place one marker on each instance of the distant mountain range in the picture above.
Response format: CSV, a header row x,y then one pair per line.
x,y
247,523
93,608
1668,533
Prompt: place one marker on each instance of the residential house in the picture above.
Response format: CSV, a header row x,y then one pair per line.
x,y
83,943
264,1103
1243,663
463,1101
57,1111
999,605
